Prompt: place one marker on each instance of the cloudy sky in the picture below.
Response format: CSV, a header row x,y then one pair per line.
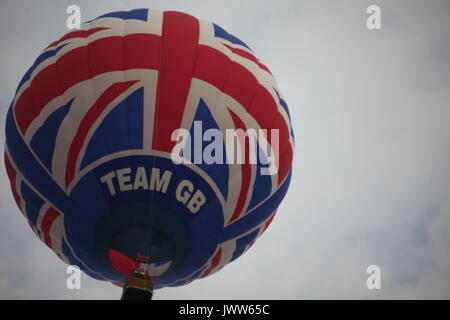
x,y
371,182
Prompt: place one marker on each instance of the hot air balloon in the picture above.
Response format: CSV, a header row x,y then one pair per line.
x,y
114,151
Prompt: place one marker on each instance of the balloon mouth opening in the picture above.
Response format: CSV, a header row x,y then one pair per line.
x,y
144,236
141,247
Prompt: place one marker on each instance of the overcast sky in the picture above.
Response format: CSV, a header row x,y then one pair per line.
x,y
371,179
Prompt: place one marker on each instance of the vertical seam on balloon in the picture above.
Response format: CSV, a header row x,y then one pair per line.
x,y
125,78
33,102
93,90
218,98
247,113
155,125
92,87
87,125
99,130
66,117
22,134
253,172
235,217
126,100
190,84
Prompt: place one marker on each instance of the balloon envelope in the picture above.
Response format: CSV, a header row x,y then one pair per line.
x,y
117,149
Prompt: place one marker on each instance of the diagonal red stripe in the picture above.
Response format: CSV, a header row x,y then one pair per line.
x,y
76,34
12,174
104,55
47,223
245,169
88,120
214,263
247,55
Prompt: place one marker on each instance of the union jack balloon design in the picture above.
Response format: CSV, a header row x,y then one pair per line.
x,y
90,138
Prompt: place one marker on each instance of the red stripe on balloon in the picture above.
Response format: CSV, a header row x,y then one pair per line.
x,y
246,169
12,174
47,222
214,263
286,157
88,121
236,81
10,171
273,121
247,55
76,34
268,222
117,283
232,78
180,34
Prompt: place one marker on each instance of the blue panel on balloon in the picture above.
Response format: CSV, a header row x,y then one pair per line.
x,y
138,14
44,56
221,33
285,107
243,242
218,172
43,142
263,182
33,203
121,129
